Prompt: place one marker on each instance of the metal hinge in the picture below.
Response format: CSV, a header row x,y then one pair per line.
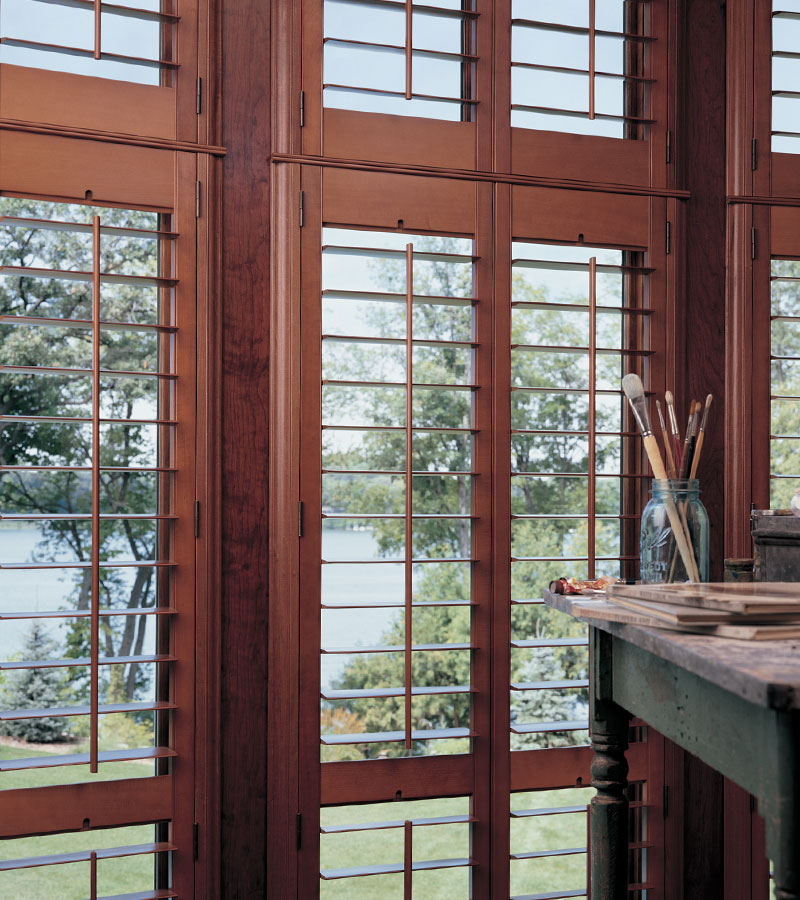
x,y
753,243
300,510
197,200
669,146
665,802
669,237
199,104
754,154
197,518
302,207
195,841
302,108
299,830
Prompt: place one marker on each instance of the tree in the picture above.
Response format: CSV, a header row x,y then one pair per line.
x,y
546,704
43,444
35,689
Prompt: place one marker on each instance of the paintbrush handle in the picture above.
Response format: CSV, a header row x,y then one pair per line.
x,y
678,457
696,457
670,458
690,458
684,547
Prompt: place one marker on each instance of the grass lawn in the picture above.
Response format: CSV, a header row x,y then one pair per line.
x,y
363,848
71,881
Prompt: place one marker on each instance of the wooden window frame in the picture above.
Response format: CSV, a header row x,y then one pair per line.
x,y
119,171
371,199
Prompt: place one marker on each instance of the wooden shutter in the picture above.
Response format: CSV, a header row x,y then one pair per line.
x,y
115,234
414,802
102,67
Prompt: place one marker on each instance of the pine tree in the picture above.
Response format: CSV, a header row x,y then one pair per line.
x,y
548,704
34,689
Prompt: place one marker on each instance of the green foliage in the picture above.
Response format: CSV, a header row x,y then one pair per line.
x,y
35,689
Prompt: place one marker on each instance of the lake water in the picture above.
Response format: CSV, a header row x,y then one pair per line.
x,y
49,589
27,590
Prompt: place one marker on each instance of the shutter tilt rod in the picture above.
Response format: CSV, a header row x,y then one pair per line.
x,y
94,639
409,535
98,8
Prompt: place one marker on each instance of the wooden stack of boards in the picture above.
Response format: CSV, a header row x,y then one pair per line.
x,y
747,611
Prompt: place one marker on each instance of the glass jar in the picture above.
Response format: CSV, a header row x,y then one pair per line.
x,y
659,557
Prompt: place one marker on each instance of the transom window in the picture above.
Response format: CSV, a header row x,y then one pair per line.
x,y
580,66
389,56
123,41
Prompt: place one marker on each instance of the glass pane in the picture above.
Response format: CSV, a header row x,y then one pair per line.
x,y
365,55
366,577
46,605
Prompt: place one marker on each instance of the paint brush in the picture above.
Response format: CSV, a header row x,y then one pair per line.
x,y
684,469
667,446
700,437
634,391
673,426
693,438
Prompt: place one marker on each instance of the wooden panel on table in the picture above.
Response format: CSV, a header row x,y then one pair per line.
x,y
80,101
372,200
244,391
43,165
570,216
579,157
405,140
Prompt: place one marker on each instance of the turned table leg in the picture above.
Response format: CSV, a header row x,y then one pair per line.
x,y
608,816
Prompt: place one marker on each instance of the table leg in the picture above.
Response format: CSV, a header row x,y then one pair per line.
x,y
608,816
781,807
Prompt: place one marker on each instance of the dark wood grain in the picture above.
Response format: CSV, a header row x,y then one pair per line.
x,y
245,295
701,160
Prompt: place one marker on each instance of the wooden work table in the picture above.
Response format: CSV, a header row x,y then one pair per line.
x,y
734,704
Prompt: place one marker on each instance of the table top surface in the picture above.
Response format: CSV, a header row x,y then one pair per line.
x,y
766,673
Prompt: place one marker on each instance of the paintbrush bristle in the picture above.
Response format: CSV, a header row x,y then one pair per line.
x,y
633,387
634,391
709,398
661,416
